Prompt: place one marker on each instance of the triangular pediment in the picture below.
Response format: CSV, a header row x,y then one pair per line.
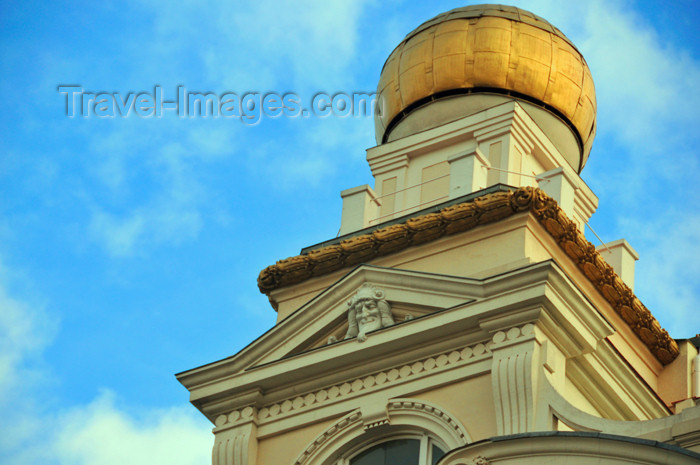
x,y
292,359
411,295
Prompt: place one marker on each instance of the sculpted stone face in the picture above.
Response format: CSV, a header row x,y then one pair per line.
x,y
368,315
368,311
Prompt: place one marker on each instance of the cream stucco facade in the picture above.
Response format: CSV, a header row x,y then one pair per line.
x,y
461,308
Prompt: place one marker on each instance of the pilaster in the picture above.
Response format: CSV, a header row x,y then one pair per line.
x,y
514,379
235,438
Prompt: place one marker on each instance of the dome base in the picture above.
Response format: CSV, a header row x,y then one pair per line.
x,y
452,108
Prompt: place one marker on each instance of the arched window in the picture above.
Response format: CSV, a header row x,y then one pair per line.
x,y
419,430
421,450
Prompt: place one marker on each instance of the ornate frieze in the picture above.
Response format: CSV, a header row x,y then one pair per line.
x,y
462,217
374,381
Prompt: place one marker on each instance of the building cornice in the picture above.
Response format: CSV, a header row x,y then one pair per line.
x,y
463,217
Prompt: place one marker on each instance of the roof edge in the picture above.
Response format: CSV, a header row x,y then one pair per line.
x,y
462,217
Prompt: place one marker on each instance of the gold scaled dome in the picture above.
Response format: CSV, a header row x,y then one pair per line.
x,y
492,49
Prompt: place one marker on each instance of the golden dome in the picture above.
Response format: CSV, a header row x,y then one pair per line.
x,y
493,49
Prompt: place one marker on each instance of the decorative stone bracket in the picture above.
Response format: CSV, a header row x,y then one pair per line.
x,y
374,414
519,360
237,444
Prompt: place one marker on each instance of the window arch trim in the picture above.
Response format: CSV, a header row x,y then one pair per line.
x,y
425,440
405,415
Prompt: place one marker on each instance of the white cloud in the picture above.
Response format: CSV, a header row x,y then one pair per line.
x,y
25,330
99,433
23,333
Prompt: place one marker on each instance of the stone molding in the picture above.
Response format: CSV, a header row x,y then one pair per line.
x,y
669,429
340,391
244,415
411,413
512,336
347,422
480,460
385,241
570,447
463,217
415,407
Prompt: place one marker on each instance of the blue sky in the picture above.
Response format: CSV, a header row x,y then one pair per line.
x,y
130,247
